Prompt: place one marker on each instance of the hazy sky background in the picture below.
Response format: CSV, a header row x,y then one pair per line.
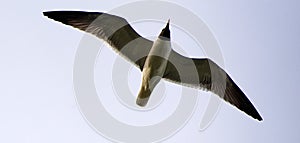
x,y
260,44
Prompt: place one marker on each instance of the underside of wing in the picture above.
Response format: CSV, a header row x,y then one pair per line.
x,y
113,29
207,75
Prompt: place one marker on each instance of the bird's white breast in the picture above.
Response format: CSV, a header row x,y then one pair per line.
x,y
161,48
157,58
156,62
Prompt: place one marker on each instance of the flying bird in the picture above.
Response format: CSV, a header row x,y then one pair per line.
x,y
156,59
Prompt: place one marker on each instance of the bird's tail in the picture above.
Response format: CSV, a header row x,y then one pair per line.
x,y
143,97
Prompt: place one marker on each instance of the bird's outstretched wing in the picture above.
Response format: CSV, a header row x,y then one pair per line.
x,y
115,30
205,74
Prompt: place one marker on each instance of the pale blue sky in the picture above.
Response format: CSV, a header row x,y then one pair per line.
x,y
260,45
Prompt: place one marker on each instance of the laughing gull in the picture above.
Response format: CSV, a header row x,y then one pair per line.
x,y
156,59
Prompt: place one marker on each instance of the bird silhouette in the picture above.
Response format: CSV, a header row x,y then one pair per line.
x,y
156,59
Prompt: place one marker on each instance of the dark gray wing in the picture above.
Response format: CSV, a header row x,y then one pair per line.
x,y
205,74
113,29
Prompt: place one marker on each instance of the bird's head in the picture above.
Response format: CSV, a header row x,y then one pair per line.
x,y
165,33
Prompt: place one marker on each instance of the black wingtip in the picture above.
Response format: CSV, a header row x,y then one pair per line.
x,y
57,15
51,14
60,16
45,13
165,33
254,113
259,118
251,111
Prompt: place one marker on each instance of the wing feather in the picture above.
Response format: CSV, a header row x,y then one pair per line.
x,y
205,74
115,30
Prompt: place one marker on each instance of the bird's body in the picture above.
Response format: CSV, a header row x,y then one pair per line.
x,y
156,59
154,68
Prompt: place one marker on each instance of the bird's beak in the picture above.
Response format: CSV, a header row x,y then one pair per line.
x,y
168,23
166,31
